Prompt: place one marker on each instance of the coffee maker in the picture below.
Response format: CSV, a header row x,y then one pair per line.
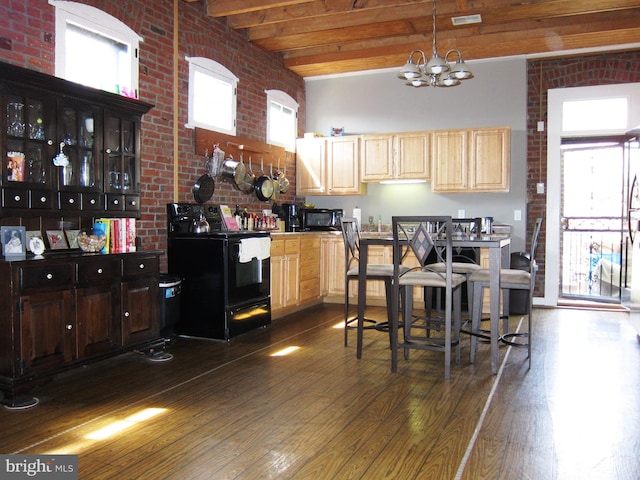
x,y
291,216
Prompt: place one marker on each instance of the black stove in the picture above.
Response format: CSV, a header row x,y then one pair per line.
x,y
224,294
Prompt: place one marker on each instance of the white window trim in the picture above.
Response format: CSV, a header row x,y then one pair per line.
x,y
98,21
215,69
284,99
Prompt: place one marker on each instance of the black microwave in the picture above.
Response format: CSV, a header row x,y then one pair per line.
x,y
321,219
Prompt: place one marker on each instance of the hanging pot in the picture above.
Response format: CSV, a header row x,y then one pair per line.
x,y
233,170
283,181
264,188
204,187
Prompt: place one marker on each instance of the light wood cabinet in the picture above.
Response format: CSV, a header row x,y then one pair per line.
x,y
402,156
285,273
309,268
328,166
476,160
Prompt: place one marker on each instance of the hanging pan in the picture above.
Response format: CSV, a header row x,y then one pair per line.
x,y
263,186
247,184
204,187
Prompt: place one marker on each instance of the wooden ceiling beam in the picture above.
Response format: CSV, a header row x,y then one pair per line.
x,y
225,8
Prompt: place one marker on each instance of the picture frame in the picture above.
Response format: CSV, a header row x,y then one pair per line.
x,y
57,240
337,132
14,239
33,234
72,238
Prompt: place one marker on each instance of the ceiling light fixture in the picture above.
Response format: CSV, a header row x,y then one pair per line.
x,y
437,72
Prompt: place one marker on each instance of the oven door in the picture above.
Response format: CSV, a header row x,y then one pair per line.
x,y
249,281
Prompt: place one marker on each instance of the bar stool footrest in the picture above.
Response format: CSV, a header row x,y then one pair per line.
x,y
511,339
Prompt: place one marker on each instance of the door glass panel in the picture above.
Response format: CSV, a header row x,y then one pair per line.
x,y
70,126
15,117
36,120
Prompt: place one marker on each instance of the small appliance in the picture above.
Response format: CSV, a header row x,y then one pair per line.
x,y
291,216
321,219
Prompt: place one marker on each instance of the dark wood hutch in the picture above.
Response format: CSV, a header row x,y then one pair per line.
x,y
71,154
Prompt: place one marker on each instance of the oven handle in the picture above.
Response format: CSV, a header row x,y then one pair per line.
x,y
265,305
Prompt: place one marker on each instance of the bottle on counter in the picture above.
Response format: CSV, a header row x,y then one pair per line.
x,y
380,223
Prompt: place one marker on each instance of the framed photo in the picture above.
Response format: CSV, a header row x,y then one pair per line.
x,y
56,239
72,238
33,234
337,132
14,241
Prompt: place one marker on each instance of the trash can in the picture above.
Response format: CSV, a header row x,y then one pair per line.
x,y
519,299
170,286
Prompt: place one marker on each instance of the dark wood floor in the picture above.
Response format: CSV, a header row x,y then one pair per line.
x,y
234,411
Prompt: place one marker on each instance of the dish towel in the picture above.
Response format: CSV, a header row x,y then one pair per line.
x,y
251,248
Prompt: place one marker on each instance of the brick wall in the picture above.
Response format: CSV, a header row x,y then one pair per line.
x,y
27,35
605,69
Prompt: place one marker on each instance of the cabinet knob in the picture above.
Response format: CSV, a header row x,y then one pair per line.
x,y
69,326
116,201
49,276
43,199
49,142
133,203
99,270
92,201
71,201
108,150
17,198
141,266
126,314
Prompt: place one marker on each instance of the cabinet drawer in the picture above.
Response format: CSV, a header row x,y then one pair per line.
x,y
132,203
46,276
309,255
140,266
308,271
309,290
114,203
310,243
41,200
14,198
101,271
91,201
292,245
277,247
69,201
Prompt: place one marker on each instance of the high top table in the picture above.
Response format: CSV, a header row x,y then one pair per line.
x,y
499,257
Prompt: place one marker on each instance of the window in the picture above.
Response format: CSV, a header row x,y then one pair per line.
x,y
95,49
212,96
282,119
594,114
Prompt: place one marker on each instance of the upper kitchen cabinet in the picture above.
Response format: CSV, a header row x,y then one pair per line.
x,y
68,149
401,156
473,160
328,166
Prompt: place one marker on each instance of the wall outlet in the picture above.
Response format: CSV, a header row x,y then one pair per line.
x,y
461,213
540,187
517,215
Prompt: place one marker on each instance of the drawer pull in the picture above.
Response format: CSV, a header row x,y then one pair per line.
x,y
43,199
92,201
99,270
17,198
141,266
116,202
71,201
133,203
49,276
69,326
126,314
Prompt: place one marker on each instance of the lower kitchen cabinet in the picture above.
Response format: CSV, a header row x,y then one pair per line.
x,y
285,272
309,268
69,309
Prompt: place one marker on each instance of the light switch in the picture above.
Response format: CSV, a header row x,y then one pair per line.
x,y
461,214
517,215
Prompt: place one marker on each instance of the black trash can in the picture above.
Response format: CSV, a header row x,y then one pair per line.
x,y
519,299
170,286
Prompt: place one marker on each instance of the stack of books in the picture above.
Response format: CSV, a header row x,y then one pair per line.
x,y
120,233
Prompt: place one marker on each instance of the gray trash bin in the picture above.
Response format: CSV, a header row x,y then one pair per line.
x,y
170,286
519,299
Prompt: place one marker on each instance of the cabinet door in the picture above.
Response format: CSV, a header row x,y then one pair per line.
x,y
376,157
450,161
292,280
77,123
121,165
309,267
413,155
98,313
277,282
48,331
343,166
490,160
140,300
310,166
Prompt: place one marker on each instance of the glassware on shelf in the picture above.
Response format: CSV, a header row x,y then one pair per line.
x,y
86,171
15,119
36,123
36,166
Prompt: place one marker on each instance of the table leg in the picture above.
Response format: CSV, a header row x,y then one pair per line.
x,y
362,296
494,288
